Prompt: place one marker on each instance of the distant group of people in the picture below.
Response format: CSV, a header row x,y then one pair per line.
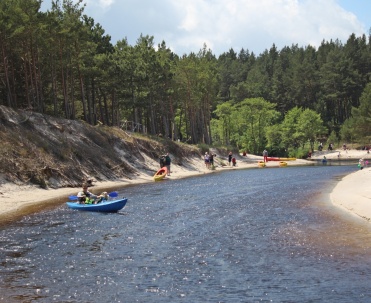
x,y
231,160
362,163
209,160
330,147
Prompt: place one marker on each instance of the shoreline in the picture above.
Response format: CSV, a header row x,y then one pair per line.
x,y
350,194
353,195
17,201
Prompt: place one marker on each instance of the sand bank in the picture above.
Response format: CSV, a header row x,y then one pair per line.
x,y
353,193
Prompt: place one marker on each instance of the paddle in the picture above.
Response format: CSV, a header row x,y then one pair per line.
x,y
112,195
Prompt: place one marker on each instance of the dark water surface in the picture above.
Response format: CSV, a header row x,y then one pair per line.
x,y
257,235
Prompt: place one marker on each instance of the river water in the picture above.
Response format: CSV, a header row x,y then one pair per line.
x,y
255,235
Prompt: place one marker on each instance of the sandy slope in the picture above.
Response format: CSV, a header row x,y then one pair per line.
x,y
351,193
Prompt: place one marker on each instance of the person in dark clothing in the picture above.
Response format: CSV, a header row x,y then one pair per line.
x,y
211,159
162,161
167,163
85,196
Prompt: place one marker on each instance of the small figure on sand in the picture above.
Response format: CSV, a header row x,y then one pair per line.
x,y
207,160
361,163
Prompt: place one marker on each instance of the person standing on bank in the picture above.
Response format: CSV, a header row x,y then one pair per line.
x,y
211,159
162,161
229,158
207,160
265,155
167,163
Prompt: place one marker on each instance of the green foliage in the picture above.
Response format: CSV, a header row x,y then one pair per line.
x,y
301,126
274,138
222,125
347,130
289,131
310,127
333,138
299,153
253,116
203,148
62,63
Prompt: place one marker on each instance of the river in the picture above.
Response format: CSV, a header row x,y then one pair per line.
x,y
254,235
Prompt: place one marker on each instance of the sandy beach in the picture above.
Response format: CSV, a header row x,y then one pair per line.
x,y
351,194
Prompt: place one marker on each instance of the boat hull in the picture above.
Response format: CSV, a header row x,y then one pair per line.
x,y
106,206
280,159
161,173
261,164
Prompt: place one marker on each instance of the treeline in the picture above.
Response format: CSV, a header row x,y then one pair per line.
x,y
62,63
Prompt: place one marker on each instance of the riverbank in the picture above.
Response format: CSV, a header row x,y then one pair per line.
x,y
19,200
351,194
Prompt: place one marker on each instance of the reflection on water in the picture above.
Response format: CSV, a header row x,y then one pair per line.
x,y
257,235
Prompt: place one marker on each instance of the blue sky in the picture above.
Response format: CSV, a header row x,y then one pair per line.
x,y
186,25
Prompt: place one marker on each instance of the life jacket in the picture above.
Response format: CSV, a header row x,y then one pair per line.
x,y
89,201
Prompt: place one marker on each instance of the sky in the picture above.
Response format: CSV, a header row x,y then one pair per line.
x,y
254,25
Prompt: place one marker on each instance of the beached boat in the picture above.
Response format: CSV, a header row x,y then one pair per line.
x,y
280,159
105,206
282,164
261,164
161,173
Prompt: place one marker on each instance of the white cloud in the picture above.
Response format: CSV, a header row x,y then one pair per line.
x,y
256,25
185,25
106,3
99,4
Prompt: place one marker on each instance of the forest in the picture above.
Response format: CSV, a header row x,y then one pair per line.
x,y
62,63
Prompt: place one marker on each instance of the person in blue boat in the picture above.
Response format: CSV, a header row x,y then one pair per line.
x,y
85,196
102,197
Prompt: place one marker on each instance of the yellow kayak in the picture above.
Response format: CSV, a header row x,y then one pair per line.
x,y
280,159
161,173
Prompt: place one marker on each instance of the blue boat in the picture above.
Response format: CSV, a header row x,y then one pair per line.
x,y
105,206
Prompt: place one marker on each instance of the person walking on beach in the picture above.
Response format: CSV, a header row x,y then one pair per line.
x,y
162,161
361,163
265,155
211,159
168,163
229,158
207,160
